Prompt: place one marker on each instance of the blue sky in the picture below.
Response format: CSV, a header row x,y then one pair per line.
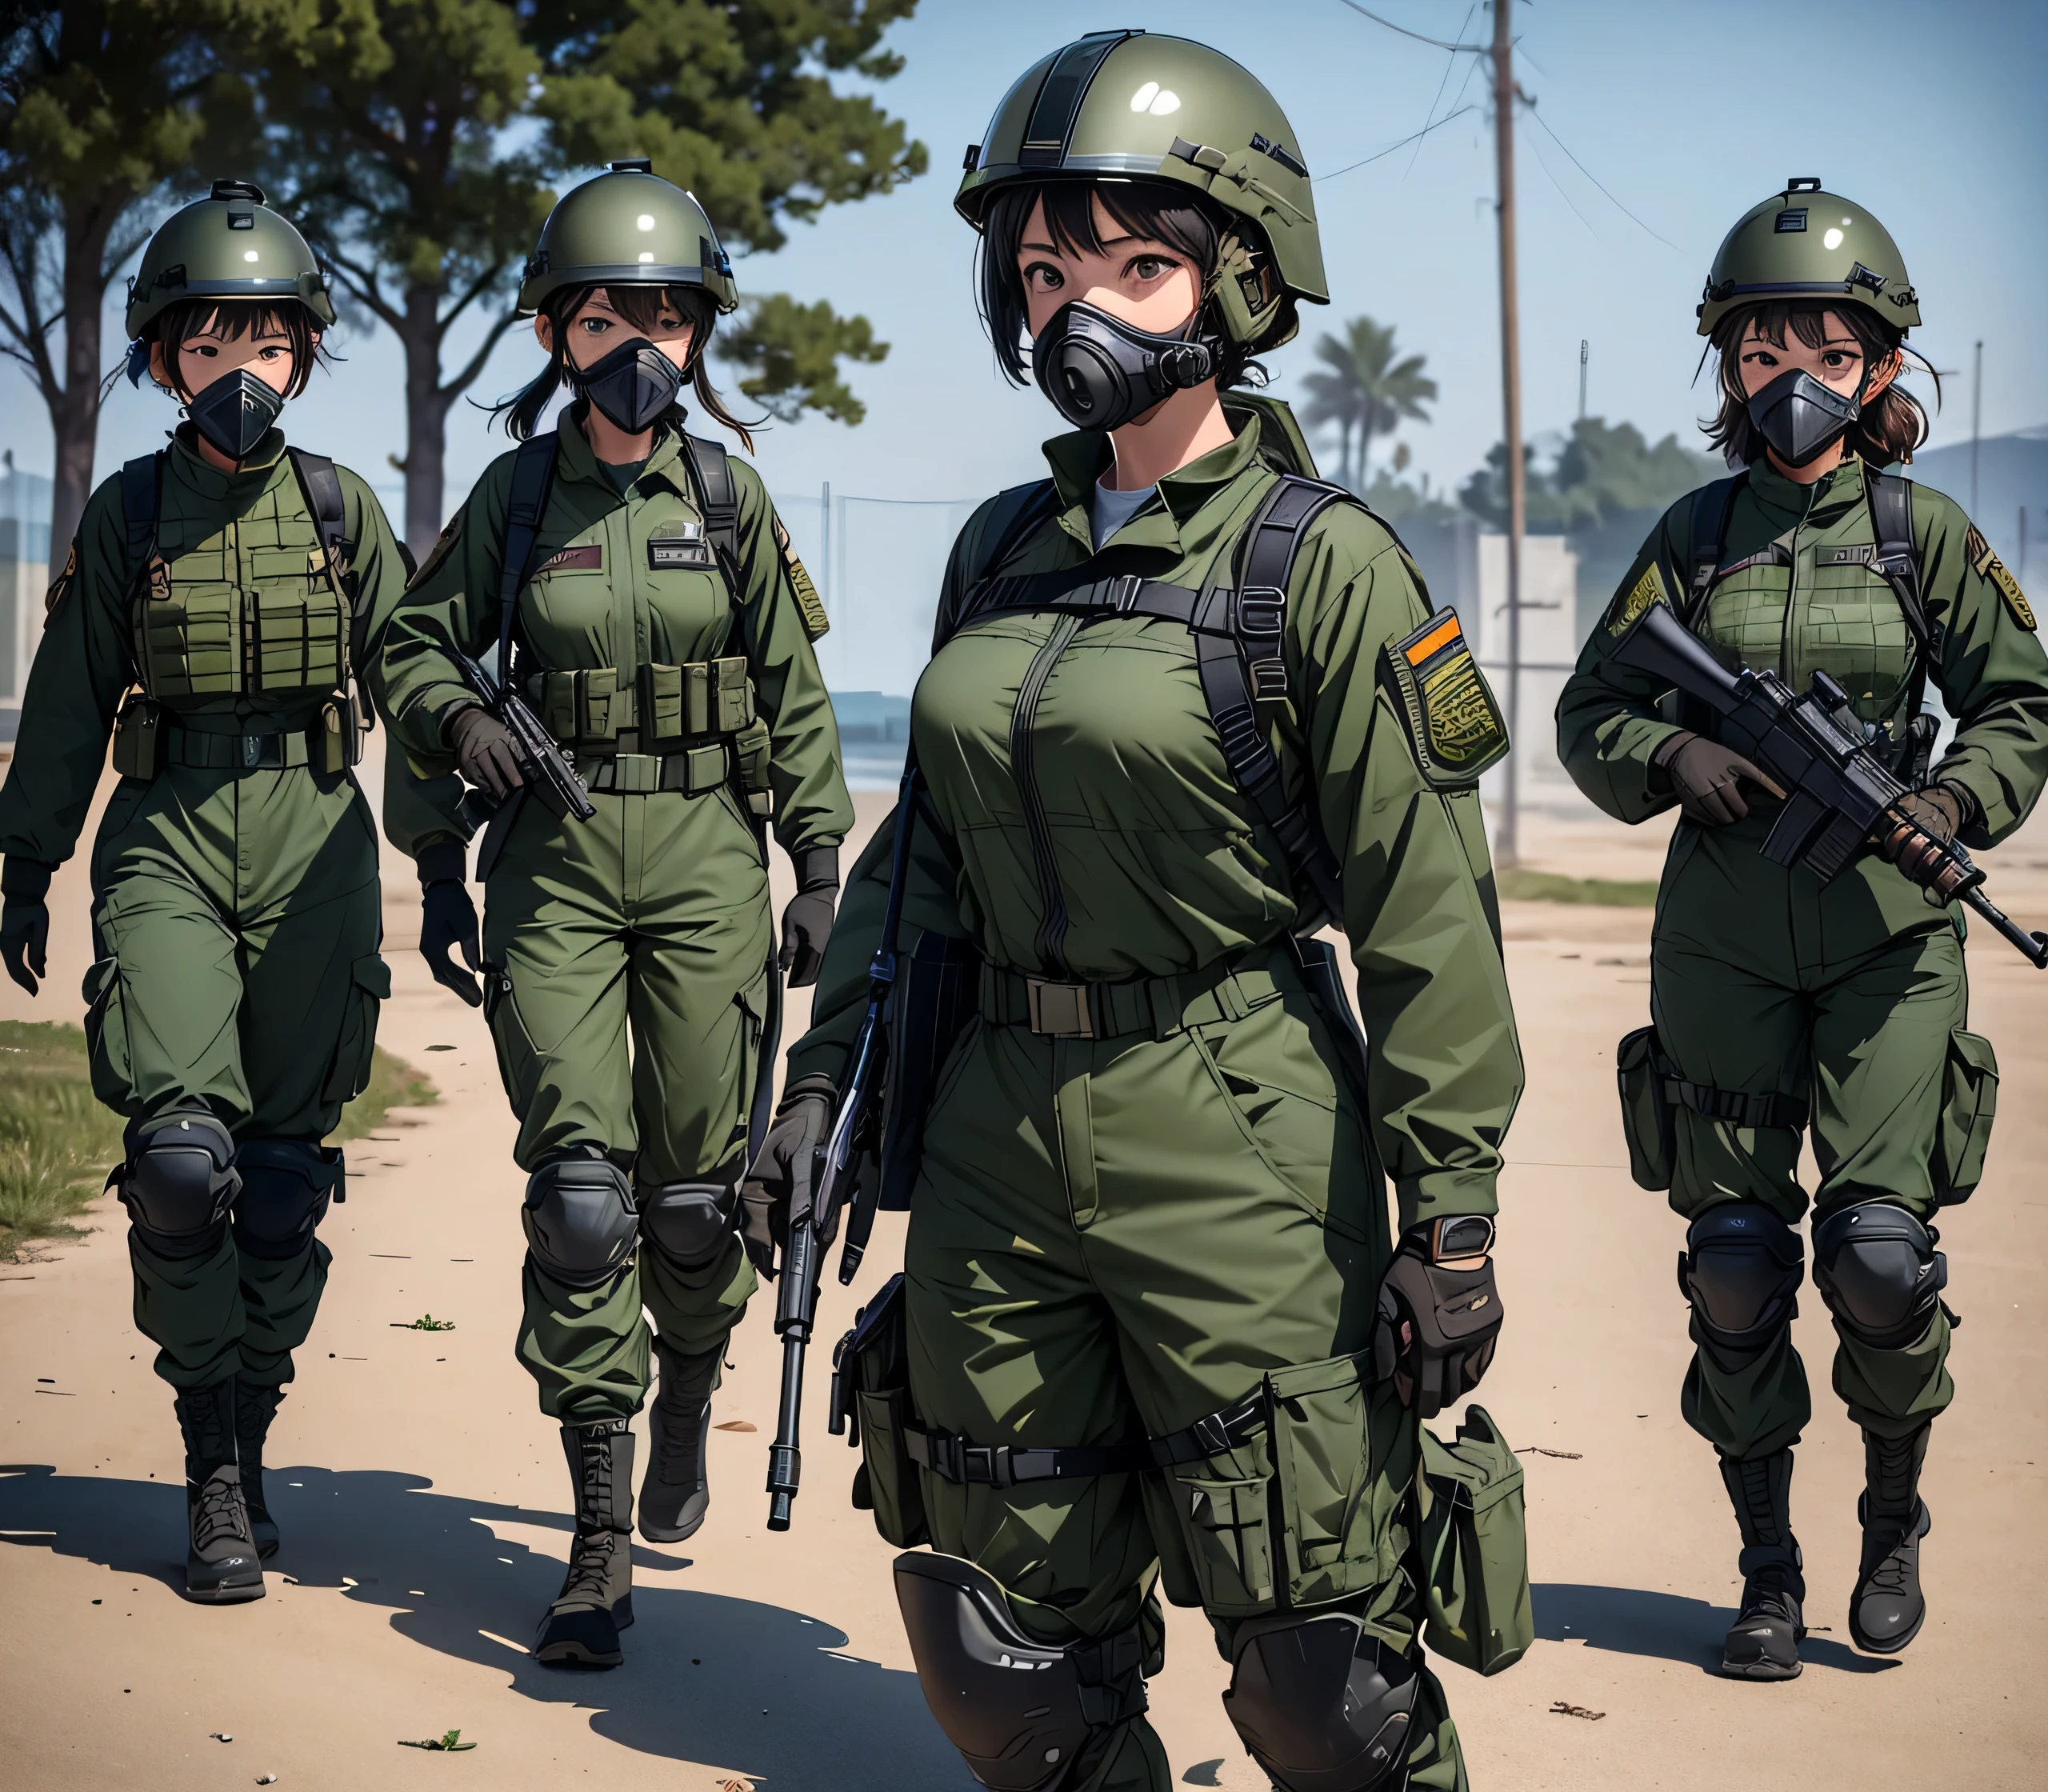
x,y
1932,116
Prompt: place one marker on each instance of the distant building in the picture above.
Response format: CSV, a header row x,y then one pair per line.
x,y
25,499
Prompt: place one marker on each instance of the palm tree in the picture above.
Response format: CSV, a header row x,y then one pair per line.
x,y
1366,392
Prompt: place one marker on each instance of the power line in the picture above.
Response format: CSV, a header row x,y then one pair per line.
x,y
1378,155
1438,42
1588,173
1428,118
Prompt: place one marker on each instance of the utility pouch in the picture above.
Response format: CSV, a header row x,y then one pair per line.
x,y
660,704
718,696
934,998
1645,1109
1970,1104
751,753
870,1404
138,738
337,739
1474,1544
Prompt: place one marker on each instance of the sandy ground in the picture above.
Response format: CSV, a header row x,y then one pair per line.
x,y
412,1469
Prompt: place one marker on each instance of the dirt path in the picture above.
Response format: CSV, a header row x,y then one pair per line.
x,y
422,1498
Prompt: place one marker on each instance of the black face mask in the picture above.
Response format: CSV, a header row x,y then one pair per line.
x,y
1100,372
235,412
633,385
1800,417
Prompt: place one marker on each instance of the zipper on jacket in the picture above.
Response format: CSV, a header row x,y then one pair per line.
x,y
1051,943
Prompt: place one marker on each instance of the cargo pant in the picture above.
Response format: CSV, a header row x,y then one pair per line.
x,y
1762,981
627,989
1112,1237
236,924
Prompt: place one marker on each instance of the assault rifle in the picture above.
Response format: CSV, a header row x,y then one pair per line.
x,y
1839,796
856,1136
549,773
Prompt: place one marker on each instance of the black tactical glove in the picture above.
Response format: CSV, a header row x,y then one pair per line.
x,y
25,920
1939,811
1437,1325
1707,777
807,922
485,752
448,918
781,1180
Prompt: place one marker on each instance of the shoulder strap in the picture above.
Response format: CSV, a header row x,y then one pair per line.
x,y
532,477
141,486
1711,505
1015,513
320,486
711,469
1896,559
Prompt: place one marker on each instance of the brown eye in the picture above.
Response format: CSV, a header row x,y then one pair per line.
x,y
1150,267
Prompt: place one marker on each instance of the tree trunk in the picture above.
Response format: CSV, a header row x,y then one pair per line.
x,y
426,418
74,410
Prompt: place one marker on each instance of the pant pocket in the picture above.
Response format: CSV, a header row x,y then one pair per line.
x,y
1330,1521
519,1064
1969,1103
1646,1111
1226,1524
106,1034
1474,1548
370,986
870,1391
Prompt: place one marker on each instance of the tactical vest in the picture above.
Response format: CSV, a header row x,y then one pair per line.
x,y
688,728
197,631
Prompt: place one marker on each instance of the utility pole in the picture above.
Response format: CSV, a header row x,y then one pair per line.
x,y
1582,350
1506,841
1976,423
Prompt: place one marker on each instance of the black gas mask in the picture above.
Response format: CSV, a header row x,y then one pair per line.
x,y
1800,419
235,412
1100,372
633,384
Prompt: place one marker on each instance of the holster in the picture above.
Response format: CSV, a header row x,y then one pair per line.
x,y
871,1406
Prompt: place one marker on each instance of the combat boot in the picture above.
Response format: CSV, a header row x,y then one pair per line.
x,y
1763,1643
221,1564
1886,1610
254,1407
581,1627
676,1490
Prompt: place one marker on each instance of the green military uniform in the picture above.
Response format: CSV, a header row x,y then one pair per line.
x,y
235,911
651,921
1764,981
1113,1235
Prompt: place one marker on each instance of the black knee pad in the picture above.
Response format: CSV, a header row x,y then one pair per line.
x,y
178,1182
1322,1704
1877,1268
287,1184
579,1219
687,1221
1741,1269
1019,1712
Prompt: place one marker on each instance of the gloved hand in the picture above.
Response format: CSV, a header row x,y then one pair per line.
x,y
1439,1320
1940,811
781,1180
807,922
486,753
25,920
448,918
1707,777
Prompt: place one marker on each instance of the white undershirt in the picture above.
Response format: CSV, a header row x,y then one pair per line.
x,y
1112,510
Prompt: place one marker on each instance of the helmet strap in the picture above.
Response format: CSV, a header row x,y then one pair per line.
x,y
1239,289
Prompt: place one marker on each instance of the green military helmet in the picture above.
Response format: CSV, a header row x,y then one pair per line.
x,y
229,245
1130,103
1804,243
627,226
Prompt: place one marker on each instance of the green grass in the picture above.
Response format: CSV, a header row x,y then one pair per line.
x,y
1518,884
57,1142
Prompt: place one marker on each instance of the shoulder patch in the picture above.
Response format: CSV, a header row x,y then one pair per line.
x,y
815,623
1987,564
62,584
1455,726
444,545
1646,590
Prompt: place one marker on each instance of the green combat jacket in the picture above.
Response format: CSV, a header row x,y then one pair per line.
x,y
1800,596
616,591
236,621
1101,836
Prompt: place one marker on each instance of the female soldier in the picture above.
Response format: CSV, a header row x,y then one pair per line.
x,y
659,624
1773,998
1150,1203
229,589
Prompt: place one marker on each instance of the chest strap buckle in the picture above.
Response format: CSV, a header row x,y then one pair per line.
x,y
1059,1011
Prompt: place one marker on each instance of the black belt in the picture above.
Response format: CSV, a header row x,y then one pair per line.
x,y
282,752
952,1458
1733,1105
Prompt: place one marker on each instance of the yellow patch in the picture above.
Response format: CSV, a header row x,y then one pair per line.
x,y
1455,726
815,623
60,585
1646,590
2009,588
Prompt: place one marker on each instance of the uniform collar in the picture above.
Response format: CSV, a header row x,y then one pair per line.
x,y
1787,501
575,459
196,472
1079,460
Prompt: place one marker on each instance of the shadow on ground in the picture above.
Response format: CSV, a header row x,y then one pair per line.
x,y
1631,1621
728,1681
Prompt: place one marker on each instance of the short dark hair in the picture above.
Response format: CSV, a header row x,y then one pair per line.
x,y
1893,424
180,323
1185,221
641,306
